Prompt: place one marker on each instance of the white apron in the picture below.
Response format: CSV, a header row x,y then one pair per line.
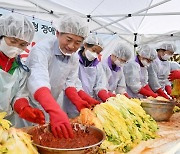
x,y
143,77
9,86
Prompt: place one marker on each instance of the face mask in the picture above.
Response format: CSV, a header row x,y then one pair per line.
x,y
65,54
90,55
145,63
118,63
166,57
9,51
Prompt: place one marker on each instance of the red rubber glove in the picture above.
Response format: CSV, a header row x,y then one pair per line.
x,y
111,94
127,95
160,92
21,106
147,93
87,98
73,96
148,88
103,95
59,121
168,89
174,75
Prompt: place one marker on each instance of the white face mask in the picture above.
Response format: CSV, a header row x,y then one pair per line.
x,y
166,57
145,63
9,51
118,63
65,54
90,55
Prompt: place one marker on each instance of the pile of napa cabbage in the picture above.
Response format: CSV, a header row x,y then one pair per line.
x,y
124,122
14,141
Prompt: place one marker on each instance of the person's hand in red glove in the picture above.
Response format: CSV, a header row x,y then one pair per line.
x,y
160,92
145,92
168,89
148,88
111,94
174,75
73,96
88,98
127,95
59,122
25,111
104,95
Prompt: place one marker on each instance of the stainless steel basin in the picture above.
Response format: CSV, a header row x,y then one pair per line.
x,y
83,150
159,110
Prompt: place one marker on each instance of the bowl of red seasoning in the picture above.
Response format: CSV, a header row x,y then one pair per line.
x,y
87,139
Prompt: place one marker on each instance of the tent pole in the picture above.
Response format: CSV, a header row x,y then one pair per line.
x,y
50,12
145,9
158,38
10,9
108,28
142,14
125,39
97,6
118,24
114,33
135,43
102,25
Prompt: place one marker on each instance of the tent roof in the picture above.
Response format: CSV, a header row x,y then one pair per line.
x,y
124,17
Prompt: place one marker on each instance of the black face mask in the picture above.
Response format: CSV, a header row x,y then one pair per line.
x,y
85,62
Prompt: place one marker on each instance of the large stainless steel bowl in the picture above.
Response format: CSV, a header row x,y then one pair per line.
x,y
83,150
159,110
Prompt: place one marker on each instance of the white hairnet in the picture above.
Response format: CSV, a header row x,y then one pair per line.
x,y
72,24
122,51
147,52
167,46
18,26
93,39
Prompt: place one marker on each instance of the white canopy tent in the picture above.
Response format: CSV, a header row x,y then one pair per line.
x,y
135,22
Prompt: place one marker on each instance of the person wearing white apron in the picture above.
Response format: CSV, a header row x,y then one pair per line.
x,y
136,74
91,72
161,69
54,69
92,79
15,34
113,68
